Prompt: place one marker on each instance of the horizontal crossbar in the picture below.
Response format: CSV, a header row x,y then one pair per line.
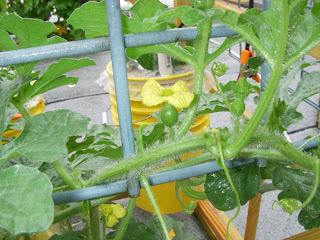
x,y
82,47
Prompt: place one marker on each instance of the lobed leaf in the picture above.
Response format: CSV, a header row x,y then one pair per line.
x,y
45,136
26,205
8,88
29,33
297,184
53,77
100,143
96,26
219,192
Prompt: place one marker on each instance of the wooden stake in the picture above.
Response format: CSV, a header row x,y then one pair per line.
x,y
215,222
313,234
253,217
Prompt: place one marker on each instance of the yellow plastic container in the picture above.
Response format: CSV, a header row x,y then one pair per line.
x,y
36,108
165,193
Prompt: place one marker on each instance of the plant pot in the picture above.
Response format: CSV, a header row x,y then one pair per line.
x,y
165,193
35,107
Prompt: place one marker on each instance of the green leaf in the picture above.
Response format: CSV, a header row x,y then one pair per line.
x,y
255,62
70,236
100,142
96,26
284,108
152,134
26,205
29,33
45,136
282,116
289,205
238,106
218,190
309,219
297,184
8,88
137,231
219,69
53,77
303,31
148,62
308,86
236,93
141,20
210,103
260,28
146,8
188,15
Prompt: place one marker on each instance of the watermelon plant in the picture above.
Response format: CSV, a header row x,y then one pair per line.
x,y
59,151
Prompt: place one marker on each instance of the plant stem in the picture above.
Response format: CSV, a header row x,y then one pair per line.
x,y
96,226
77,208
171,133
62,188
139,139
21,109
224,97
289,151
201,52
87,215
65,175
247,153
271,89
315,186
228,176
153,201
308,141
125,222
150,157
3,6
176,51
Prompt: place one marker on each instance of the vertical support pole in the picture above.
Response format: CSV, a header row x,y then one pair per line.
x,y
121,84
266,4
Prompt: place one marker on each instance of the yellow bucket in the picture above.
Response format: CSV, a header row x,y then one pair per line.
x,y
165,193
35,109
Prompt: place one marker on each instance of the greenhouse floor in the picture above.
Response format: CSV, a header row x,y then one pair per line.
x,y
91,99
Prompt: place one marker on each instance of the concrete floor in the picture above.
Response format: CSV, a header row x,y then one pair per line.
x,y
91,99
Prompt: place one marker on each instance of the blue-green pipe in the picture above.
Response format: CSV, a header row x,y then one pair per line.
x,y
155,179
121,85
82,47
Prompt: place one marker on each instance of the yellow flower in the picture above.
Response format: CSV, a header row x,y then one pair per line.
x,y
118,211
111,221
154,94
112,213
